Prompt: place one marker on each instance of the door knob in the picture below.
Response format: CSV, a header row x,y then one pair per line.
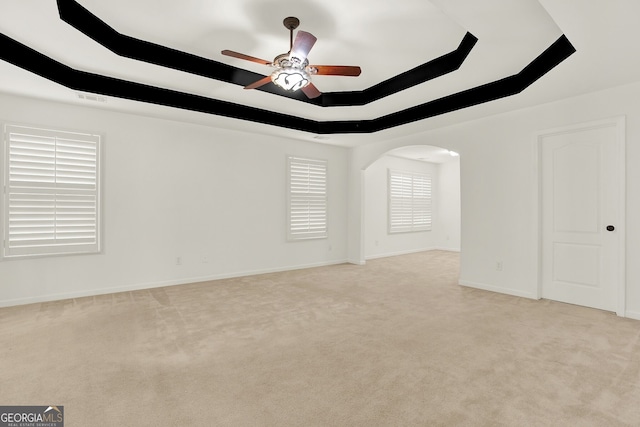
x,y
610,228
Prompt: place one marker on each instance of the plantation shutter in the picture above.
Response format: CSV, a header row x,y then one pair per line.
x,y
307,216
409,202
52,200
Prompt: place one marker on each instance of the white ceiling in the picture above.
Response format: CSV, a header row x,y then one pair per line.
x,y
425,153
384,38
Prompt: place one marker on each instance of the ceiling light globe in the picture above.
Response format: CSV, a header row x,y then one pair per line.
x,y
291,78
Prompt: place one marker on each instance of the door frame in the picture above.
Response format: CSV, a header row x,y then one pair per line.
x,y
619,123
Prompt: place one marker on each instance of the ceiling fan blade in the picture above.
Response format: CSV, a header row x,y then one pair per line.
x,y
336,70
311,91
259,83
245,57
302,45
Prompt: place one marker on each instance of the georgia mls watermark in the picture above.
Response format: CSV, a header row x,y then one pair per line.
x,y
31,416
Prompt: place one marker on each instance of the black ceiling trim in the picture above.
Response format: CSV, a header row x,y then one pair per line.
x,y
445,64
27,58
560,50
84,21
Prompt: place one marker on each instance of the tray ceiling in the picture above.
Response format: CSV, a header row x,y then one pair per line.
x,y
420,59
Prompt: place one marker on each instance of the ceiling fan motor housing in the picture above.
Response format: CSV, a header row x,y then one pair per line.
x,y
286,60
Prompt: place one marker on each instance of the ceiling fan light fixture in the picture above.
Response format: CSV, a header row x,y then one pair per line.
x,y
290,78
293,70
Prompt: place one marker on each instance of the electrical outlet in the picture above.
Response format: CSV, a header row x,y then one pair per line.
x,y
178,260
498,265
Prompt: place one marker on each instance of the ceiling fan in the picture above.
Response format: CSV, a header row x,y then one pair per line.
x,y
293,71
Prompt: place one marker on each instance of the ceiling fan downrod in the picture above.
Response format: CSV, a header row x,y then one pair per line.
x,y
291,23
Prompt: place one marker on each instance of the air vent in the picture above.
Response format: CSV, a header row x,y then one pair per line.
x,y
92,97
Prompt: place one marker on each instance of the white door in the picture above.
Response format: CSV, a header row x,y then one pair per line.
x,y
582,215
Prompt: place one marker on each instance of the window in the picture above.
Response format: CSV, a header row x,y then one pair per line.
x,y
51,192
307,198
409,202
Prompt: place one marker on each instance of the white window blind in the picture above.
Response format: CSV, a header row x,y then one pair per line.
x,y
51,192
409,202
307,198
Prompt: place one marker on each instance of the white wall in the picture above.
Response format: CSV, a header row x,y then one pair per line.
x,y
214,198
150,216
449,210
445,230
497,187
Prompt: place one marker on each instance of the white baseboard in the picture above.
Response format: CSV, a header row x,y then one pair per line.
x,y
413,251
492,288
632,314
447,249
161,284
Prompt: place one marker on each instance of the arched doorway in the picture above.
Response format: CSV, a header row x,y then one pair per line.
x,y
436,166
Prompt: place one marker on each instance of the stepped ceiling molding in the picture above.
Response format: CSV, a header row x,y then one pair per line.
x,y
420,60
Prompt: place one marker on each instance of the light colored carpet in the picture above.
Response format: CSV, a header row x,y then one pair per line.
x,y
394,343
